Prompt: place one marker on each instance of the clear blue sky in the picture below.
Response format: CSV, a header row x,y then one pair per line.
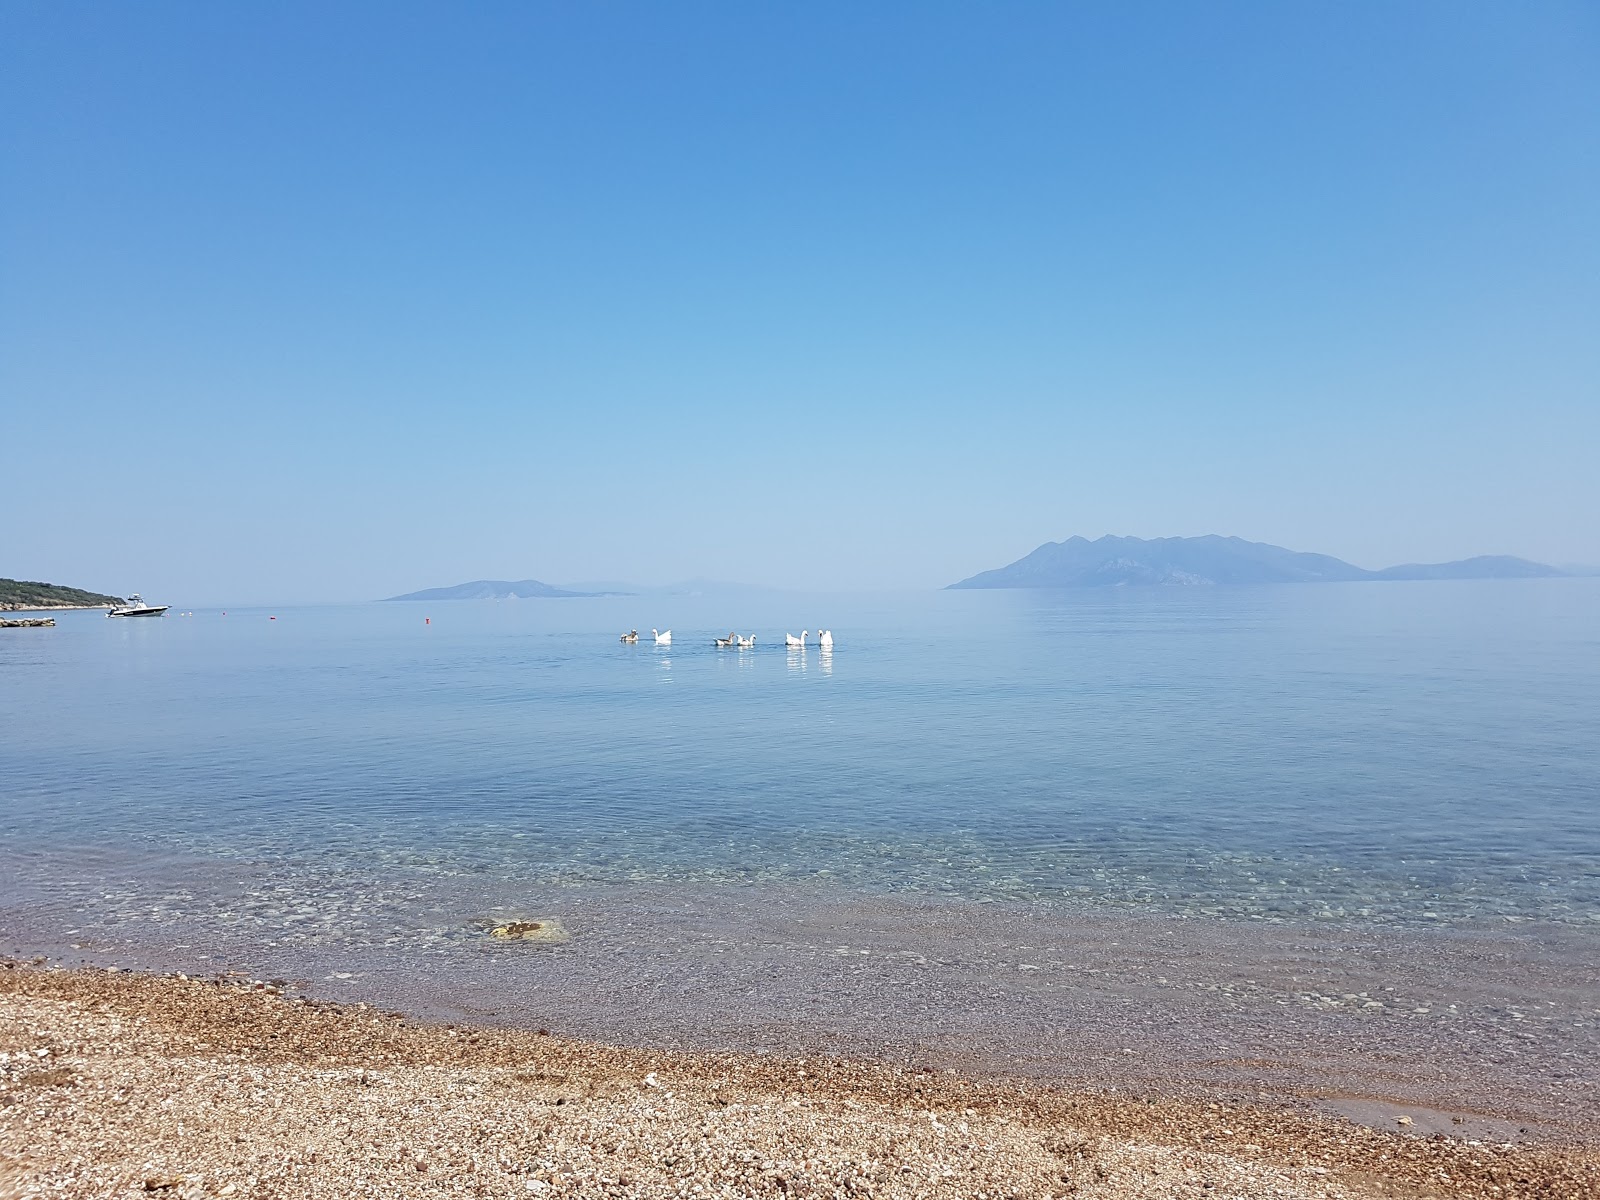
x,y
311,301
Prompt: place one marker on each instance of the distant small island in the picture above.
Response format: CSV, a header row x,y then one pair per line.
x,y
533,589
1212,560
21,595
497,589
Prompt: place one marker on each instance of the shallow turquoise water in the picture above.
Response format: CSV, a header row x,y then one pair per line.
x,y
1372,753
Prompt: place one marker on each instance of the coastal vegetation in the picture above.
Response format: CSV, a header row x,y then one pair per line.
x,y
19,594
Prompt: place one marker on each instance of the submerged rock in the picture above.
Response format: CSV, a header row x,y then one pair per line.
x,y
548,930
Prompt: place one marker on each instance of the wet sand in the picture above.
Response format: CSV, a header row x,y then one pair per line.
x,y
118,1083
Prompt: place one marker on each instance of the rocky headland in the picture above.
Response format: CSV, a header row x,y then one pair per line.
x,y
22,595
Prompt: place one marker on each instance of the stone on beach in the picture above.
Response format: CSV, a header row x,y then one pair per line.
x,y
548,930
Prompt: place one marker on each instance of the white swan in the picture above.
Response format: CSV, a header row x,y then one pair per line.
x,y
748,643
825,639
663,639
795,643
724,643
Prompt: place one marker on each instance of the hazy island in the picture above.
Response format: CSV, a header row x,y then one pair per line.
x,y
1201,561
533,589
21,595
496,589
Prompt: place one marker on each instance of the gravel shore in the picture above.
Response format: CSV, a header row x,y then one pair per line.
x,y
122,1084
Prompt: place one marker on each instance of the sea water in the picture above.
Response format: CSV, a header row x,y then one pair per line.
x,y
1394,752
1028,822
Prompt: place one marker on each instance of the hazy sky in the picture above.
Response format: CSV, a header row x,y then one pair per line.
x,y
334,301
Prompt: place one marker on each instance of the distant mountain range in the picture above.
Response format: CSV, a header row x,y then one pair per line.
x,y
1202,561
1076,562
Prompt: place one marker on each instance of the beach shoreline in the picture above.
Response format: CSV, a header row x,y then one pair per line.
x,y
114,1081
1483,1032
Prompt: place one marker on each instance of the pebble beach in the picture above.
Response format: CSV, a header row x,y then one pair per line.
x,y
117,1083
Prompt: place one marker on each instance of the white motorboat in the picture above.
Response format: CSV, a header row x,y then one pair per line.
x,y
136,607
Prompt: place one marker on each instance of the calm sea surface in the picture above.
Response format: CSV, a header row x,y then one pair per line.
x,y
1334,841
1370,753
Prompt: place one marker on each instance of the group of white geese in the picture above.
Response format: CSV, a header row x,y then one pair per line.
x,y
734,642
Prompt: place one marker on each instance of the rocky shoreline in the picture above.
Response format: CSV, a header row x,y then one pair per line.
x,y
16,608
116,1082
28,623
